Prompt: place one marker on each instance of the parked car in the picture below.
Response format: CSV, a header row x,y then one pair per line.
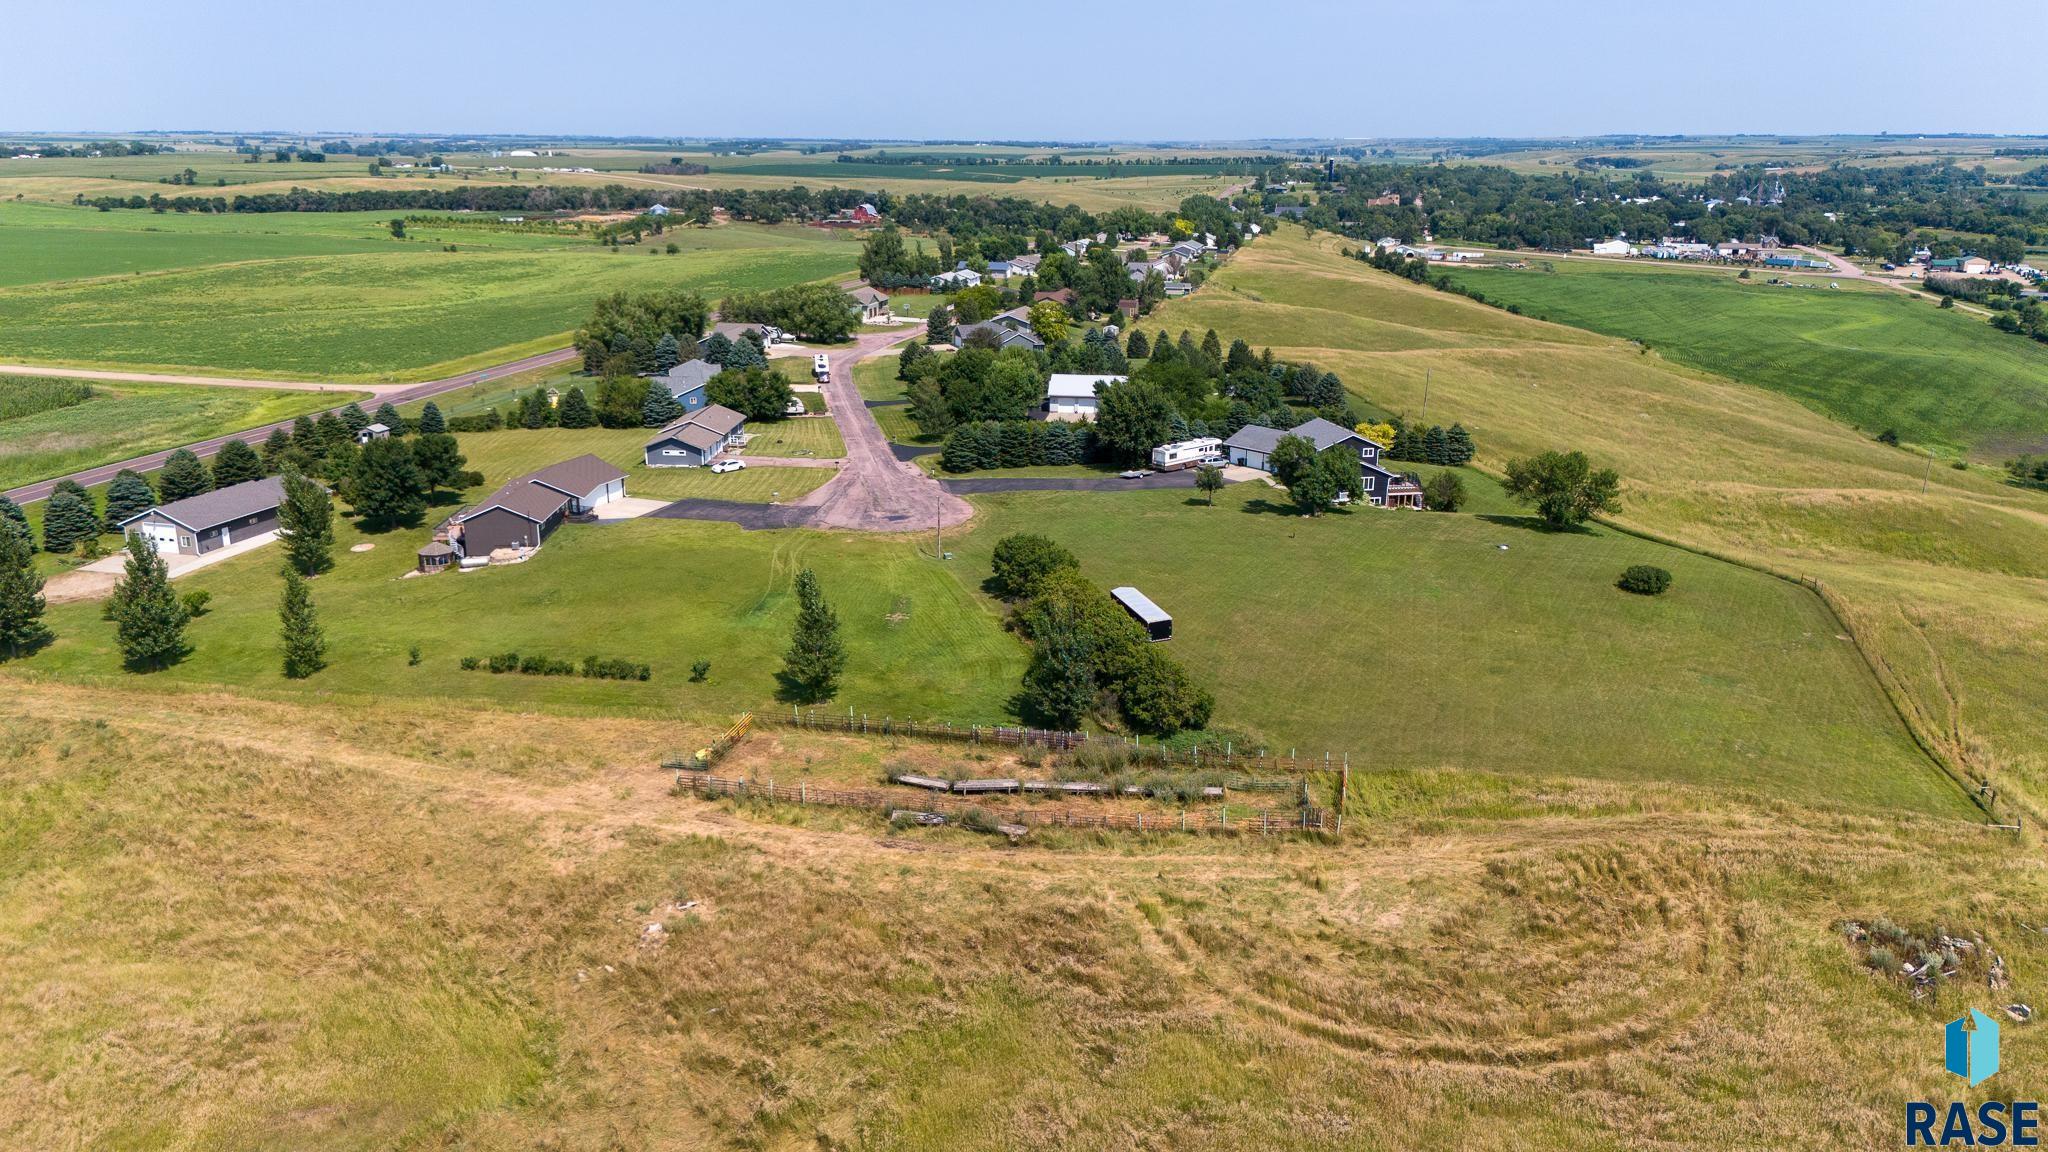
x,y
1135,473
795,407
728,465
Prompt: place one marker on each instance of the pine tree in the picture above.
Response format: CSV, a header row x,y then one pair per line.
x,y
127,496
21,593
388,416
85,499
431,420
183,477
305,521
816,655
718,349
11,513
439,460
305,435
1163,351
534,409
1139,347
1462,450
1240,358
660,408
1212,349
388,489
275,447
1436,446
304,644
576,411
66,521
355,418
668,352
939,327
149,619
236,463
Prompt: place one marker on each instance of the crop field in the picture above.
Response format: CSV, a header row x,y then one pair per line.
x,y
123,419
1872,358
1949,608
374,309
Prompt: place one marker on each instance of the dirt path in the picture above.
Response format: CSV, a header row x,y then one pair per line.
x,y
211,381
874,491
386,393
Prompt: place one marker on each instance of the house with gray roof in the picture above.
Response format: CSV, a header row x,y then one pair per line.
x,y
872,302
1006,336
696,439
1253,444
525,511
687,381
212,520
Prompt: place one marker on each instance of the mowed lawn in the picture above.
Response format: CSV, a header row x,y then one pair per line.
x,y
410,310
127,419
1872,358
1414,640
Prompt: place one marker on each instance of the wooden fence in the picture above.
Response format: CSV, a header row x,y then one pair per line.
x,y
703,759
1222,756
1264,821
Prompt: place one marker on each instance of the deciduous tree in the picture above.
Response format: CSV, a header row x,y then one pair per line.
x,y
388,489
1564,487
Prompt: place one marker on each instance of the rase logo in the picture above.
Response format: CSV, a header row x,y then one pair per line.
x,y
1970,1050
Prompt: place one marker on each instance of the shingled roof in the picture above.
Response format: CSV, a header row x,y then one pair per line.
x,y
222,505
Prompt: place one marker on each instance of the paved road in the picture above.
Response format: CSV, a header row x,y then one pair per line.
x,y
396,394
874,491
211,381
752,517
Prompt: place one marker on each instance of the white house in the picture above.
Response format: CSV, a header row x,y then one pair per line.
x,y
1612,248
657,210
1071,395
956,279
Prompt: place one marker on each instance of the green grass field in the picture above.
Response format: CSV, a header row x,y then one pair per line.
x,y
816,436
326,299
1872,358
126,419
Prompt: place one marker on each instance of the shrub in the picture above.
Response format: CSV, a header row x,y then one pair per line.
x,y
1889,436
1644,580
504,662
598,668
412,656
195,602
700,671
1445,492
1023,560
471,663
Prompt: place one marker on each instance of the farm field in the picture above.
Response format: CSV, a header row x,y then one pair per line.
x,y
123,419
1942,589
1872,358
406,310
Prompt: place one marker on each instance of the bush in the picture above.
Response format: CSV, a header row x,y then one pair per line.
x,y
1023,560
1644,580
598,668
1445,492
700,671
471,663
195,602
412,656
504,662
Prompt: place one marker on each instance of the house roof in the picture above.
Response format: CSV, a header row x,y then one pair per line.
x,y
1324,433
689,376
436,548
695,435
1077,385
1021,314
520,497
867,295
577,476
1005,336
731,329
1255,438
222,505
717,417
384,428
1063,295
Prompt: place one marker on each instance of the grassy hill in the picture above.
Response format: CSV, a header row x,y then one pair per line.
x,y
421,924
1874,358
1944,590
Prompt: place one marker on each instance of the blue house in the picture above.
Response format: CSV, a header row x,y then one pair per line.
x,y
686,382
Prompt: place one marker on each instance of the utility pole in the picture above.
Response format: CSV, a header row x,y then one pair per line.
x,y
1424,418
1924,480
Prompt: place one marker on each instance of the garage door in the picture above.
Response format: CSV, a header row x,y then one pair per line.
x,y
163,537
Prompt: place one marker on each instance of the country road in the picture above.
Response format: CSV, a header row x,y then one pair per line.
x,y
391,394
875,492
114,374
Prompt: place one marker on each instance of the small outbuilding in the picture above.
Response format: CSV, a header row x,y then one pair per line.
x,y
200,524
1158,625
373,432
437,555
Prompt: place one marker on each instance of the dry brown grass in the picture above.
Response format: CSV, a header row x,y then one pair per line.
x,y
228,923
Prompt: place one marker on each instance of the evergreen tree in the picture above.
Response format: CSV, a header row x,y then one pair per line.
x,y
331,435
668,352
1059,686
431,420
816,656
275,447
66,521
907,361
440,462
534,409
21,593
1436,446
128,495
1460,444
1212,350
388,489
1163,351
1190,353
183,476
304,436
84,498
1139,347
660,409
149,619
236,463
355,418
576,411
718,348
939,327
304,644
305,521
1240,358
11,513
388,416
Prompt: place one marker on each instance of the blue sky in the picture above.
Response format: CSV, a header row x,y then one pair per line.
x,y
1135,69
